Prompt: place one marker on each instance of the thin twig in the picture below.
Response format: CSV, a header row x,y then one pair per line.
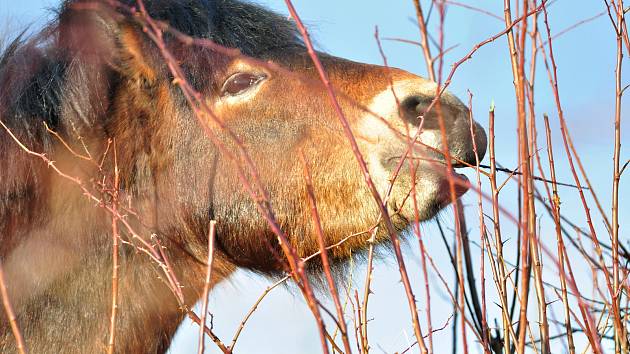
x,y
115,245
8,309
319,231
363,166
206,285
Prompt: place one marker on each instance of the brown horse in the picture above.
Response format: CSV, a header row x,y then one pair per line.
x,y
92,92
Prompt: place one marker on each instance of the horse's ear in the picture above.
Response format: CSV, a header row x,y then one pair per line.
x,y
99,34
135,53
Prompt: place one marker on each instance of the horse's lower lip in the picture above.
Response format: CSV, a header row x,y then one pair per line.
x,y
460,185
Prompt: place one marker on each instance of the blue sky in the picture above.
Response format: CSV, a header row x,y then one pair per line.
x,y
585,59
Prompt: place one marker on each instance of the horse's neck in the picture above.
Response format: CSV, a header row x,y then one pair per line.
x,y
59,275
71,312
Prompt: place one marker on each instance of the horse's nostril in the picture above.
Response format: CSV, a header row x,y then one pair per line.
x,y
412,107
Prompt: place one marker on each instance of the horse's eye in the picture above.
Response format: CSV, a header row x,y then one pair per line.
x,y
241,82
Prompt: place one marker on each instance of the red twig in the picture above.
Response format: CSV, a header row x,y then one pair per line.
x,y
473,8
424,38
319,231
115,246
593,337
363,166
206,286
8,309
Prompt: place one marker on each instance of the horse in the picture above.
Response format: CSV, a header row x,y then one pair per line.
x,y
101,141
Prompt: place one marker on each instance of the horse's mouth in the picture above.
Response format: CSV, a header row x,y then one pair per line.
x,y
436,186
460,181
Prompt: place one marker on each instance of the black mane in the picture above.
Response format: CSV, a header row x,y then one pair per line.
x,y
234,24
